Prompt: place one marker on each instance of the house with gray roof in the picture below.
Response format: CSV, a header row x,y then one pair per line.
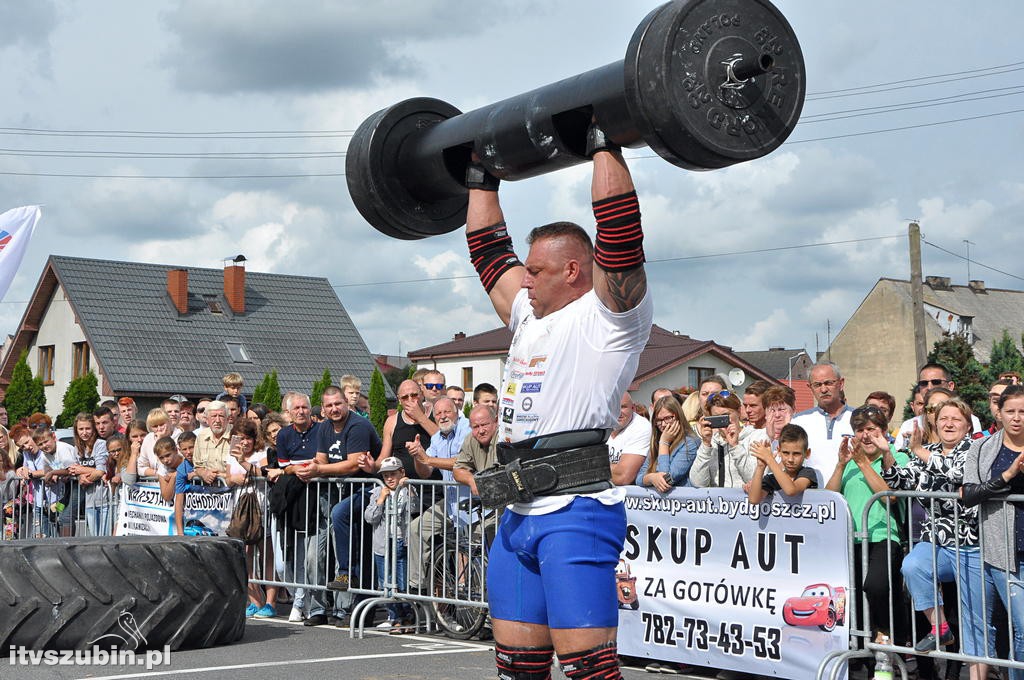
x,y
875,348
149,331
670,359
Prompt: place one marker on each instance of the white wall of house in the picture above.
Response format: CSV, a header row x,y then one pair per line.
x,y
487,369
680,377
59,329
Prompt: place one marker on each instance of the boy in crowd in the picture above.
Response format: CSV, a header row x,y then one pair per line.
x,y
166,451
350,390
233,384
395,482
790,476
45,464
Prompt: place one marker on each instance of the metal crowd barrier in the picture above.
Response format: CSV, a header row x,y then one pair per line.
x,y
31,508
913,626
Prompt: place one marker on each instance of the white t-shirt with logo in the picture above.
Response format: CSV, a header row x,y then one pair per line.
x,y
568,371
634,440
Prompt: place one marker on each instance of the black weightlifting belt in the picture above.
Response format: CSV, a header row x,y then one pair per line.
x,y
525,471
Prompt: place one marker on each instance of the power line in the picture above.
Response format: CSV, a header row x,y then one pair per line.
x,y
907,87
980,264
85,176
155,134
652,261
905,127
216,155
911,80
906,106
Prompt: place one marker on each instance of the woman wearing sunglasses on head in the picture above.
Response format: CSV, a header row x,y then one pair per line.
x,y
724,458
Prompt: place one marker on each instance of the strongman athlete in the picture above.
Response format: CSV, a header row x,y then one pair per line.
x,y
580,315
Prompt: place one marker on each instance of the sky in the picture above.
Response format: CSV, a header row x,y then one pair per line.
x,y
187,132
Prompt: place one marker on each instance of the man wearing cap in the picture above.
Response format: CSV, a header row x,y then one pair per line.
x,y
580,315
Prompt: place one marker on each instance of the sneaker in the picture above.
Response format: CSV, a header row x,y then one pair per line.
x,y
316,620
343,621
250,610
296,616
267,611
931,641
387,625
340,582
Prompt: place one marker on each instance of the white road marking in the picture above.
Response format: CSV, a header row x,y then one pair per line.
x,y
268,664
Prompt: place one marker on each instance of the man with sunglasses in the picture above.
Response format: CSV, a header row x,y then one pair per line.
x,y
827,423
930,376
580,314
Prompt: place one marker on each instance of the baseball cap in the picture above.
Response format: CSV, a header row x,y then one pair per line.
x,y
390,464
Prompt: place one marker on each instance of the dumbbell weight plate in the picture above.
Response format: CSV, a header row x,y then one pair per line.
x,y
372,169
680,93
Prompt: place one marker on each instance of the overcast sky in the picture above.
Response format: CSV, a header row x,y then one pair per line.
x,y
253,66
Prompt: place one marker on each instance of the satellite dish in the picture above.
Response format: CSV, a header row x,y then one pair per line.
x,y
737,377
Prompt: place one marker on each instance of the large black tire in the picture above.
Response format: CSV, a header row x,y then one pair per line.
x,y
183,592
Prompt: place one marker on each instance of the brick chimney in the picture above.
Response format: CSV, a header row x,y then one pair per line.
x,y
977,286
177,288
459,336
234,284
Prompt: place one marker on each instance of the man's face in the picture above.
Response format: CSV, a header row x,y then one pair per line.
x,y
104,426
458,397
433,386
186,419
707,389
625,412
352,397
934,377
483,426
753,411
201,411
917,405
408,392
300,412
994,393
127,412
488,399
545,280
217,421
173,411
186,448
826,387
232,412
445,415
334,407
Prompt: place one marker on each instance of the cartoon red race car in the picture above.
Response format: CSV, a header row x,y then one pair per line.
x,y
820,605
625,586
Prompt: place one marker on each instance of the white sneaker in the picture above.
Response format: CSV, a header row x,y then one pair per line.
x,y
296,616
386,625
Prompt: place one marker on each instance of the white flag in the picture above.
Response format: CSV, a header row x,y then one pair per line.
x,y
16,228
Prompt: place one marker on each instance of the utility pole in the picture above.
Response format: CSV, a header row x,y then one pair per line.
x,y
968,245
917,294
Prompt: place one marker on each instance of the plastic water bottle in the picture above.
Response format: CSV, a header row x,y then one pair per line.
x,y
883,663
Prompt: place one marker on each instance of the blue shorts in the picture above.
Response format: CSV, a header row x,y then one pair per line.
x,y
558,570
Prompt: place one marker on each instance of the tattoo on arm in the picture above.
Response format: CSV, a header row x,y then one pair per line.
x,y
625,289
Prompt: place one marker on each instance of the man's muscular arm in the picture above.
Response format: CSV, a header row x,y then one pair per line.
x,y
620,288
482,226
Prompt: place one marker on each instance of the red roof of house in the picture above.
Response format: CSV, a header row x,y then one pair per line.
x,y
804,396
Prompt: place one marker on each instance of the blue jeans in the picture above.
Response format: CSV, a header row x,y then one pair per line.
x,y
343,514
919,570
97,520
1011,591
976,588
397,610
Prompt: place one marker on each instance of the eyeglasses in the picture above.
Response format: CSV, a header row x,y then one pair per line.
x,y
665,419
408,396
823,383
934,408
934,382
117,450
434,386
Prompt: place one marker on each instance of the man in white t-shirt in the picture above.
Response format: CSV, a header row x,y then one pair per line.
x,y
827,423
580,314
629,443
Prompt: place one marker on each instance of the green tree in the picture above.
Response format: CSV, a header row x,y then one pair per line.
x,y
955,353
25,395
81,396
378,401
268,392
395,376
1005,357
319,386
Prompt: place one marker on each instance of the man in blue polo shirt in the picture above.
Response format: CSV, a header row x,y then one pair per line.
x,y
344,442
296,449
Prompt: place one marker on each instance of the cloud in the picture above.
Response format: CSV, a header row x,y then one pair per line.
x,y
244,46
25,27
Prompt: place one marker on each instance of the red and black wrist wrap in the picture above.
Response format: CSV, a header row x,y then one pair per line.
x,y
490,251
619,245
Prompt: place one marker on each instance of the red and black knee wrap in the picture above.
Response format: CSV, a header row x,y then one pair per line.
x,y
490,250
619,245
598,663
523,663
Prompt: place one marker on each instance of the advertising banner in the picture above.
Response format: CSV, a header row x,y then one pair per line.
x,y
709,579
143,512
